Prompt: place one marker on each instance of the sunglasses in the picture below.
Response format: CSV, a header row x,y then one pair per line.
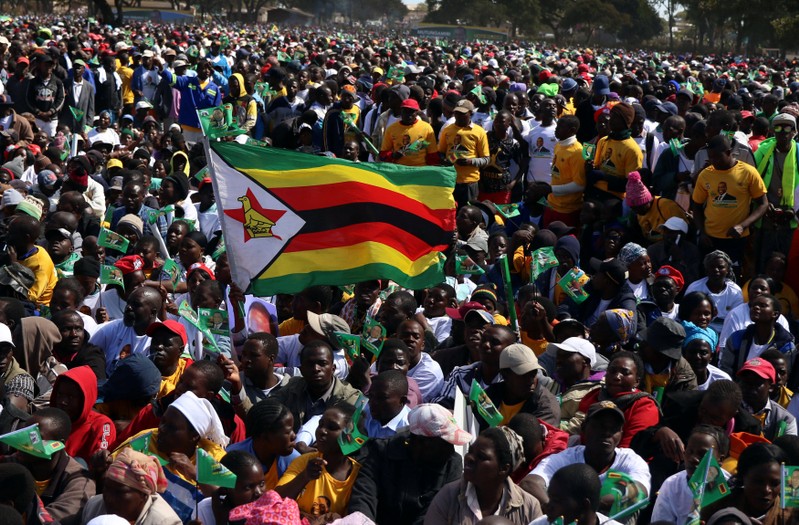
x,y
783,129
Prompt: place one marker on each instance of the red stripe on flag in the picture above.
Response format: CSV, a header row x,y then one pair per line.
x,y
302,198
409,245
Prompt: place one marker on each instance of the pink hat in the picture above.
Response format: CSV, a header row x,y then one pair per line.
x,y
637,193
269,509
433,420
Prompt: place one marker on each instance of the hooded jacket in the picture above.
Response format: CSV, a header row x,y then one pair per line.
x,y
245,108
92,431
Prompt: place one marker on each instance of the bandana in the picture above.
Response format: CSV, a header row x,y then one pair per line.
x,y
621,322
693,332
630,252
202,417
516,447
139,471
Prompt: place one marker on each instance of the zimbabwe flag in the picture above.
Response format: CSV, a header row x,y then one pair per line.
x,y
293,220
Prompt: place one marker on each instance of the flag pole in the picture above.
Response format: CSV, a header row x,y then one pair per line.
x,y
514,323
220,212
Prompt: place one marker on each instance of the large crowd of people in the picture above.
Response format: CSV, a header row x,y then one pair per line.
x,y
624,238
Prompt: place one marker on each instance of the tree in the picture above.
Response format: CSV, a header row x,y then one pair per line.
x,y
591,15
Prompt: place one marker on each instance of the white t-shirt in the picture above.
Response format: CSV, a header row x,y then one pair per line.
x,y
713,374
640,290
626,461
288,354
428,376
725,301
204,512
675,499
542,151
441,326
108,136
115,336
738,319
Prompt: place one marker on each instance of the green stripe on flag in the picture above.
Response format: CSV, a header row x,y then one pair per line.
x,y
242,157
298,282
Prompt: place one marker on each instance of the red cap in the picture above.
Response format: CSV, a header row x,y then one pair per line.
x,y
761,367
200,266
673,273
410,103
206,180
747,114
23,60
459,313
129,264
171,325
544,75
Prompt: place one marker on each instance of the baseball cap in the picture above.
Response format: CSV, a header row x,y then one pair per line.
x,y
47,179
143,104
482,315
463,106
784,118
604,407
760,367
134,377
171,325
114,163
669,108
77,62
52,231
410,103
665,336
5,335
613,268
575,345
519,358
675,224
433,420
23,60
459,313
323,324
179,63
116,183
200,267
560,228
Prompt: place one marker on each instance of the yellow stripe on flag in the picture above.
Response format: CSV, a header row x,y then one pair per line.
x,y
434,197
345,258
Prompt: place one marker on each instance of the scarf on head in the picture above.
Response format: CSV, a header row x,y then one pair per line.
x,y
693,332
763,157
38,337
201,415
138,471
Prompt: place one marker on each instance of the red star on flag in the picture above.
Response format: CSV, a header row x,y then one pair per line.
x,y
253,217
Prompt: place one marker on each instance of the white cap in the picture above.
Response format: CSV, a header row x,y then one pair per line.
x,y
575,345
5,335
676,224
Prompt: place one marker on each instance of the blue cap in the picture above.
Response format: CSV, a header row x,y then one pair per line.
x,y
568,84
135,377
601,85
668,107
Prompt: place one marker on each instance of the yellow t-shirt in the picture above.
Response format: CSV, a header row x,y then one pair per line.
x,y
727,196
126,75
662,209
617,158
398,137
290,326
464,142
568,166
271,479
325,494
538,346
168,383
508,411
45,275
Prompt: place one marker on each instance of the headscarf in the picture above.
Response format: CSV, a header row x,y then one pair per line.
x,y
269,509
693,332
39,335
242,86
516,445
718,254
138,471
202,417
630,252
621,322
